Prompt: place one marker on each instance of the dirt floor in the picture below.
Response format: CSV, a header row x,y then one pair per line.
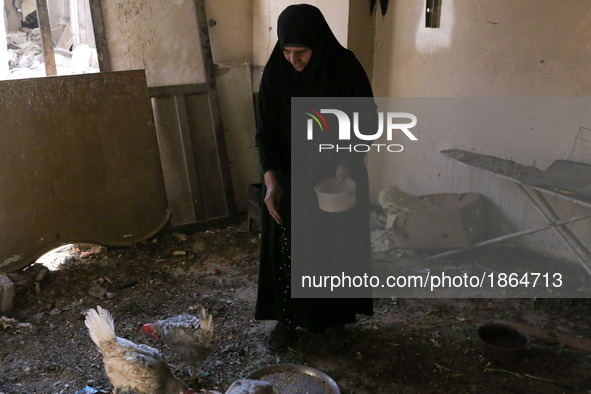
x,y
408,346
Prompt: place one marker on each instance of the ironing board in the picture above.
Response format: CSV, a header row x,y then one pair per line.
x,y
565,179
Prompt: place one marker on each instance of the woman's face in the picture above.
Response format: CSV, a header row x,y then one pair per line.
x,y
299,57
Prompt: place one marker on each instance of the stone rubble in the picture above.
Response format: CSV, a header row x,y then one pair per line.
x,y
25,56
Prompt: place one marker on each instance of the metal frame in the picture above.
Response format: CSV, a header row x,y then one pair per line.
x,y
535,195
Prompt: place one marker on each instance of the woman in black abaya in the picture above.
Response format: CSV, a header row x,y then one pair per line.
x,y
307,61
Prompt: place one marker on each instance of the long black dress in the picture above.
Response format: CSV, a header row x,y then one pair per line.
x,y
333,71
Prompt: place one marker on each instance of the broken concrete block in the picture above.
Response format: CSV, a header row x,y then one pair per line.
x,y
457,222
6,293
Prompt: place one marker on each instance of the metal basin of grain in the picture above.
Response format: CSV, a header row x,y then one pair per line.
x,y
295,378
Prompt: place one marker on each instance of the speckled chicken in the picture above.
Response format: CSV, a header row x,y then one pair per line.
x,y
130,366
190,337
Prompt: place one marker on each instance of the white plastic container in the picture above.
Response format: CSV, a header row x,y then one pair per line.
x,y
336,197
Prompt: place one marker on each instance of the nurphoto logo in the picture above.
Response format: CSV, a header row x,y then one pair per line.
x,y
395,122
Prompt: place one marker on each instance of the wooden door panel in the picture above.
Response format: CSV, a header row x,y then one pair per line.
x,y
80,163
194,161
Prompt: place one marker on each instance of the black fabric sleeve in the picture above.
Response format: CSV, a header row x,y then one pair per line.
x,y
268,133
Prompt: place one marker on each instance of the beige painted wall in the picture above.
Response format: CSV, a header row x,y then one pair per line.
x,y
486,48
231,33
11,18
159,36
237,108
361,33
28,6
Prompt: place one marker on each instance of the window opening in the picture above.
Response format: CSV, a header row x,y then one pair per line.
x,y
68,26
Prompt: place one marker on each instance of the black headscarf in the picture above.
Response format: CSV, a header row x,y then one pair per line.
x,y
333,71
305,25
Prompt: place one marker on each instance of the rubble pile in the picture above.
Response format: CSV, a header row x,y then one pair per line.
x,y
25,56
25,53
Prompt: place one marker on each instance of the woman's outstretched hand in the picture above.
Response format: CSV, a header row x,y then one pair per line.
x,y
342,173
274,195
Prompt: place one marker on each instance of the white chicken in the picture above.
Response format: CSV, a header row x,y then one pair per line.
x,y
130,366
190,337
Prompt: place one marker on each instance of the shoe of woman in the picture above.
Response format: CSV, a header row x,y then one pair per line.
x,y
339,340
280,337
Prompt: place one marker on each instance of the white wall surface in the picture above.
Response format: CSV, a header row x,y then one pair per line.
x,y
487,48
159,36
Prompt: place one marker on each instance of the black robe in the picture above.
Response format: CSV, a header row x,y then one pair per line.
x,y
333,71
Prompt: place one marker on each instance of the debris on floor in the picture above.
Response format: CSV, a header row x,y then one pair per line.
x,y
6,293
409,345
11,324
396,203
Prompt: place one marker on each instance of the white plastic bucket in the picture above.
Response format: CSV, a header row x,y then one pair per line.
x,y
336,197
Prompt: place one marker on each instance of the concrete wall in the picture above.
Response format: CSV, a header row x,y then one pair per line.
x,y
28,6
230,31
237,108
486,48
231,35
161,37
11,17
3,49
361,33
